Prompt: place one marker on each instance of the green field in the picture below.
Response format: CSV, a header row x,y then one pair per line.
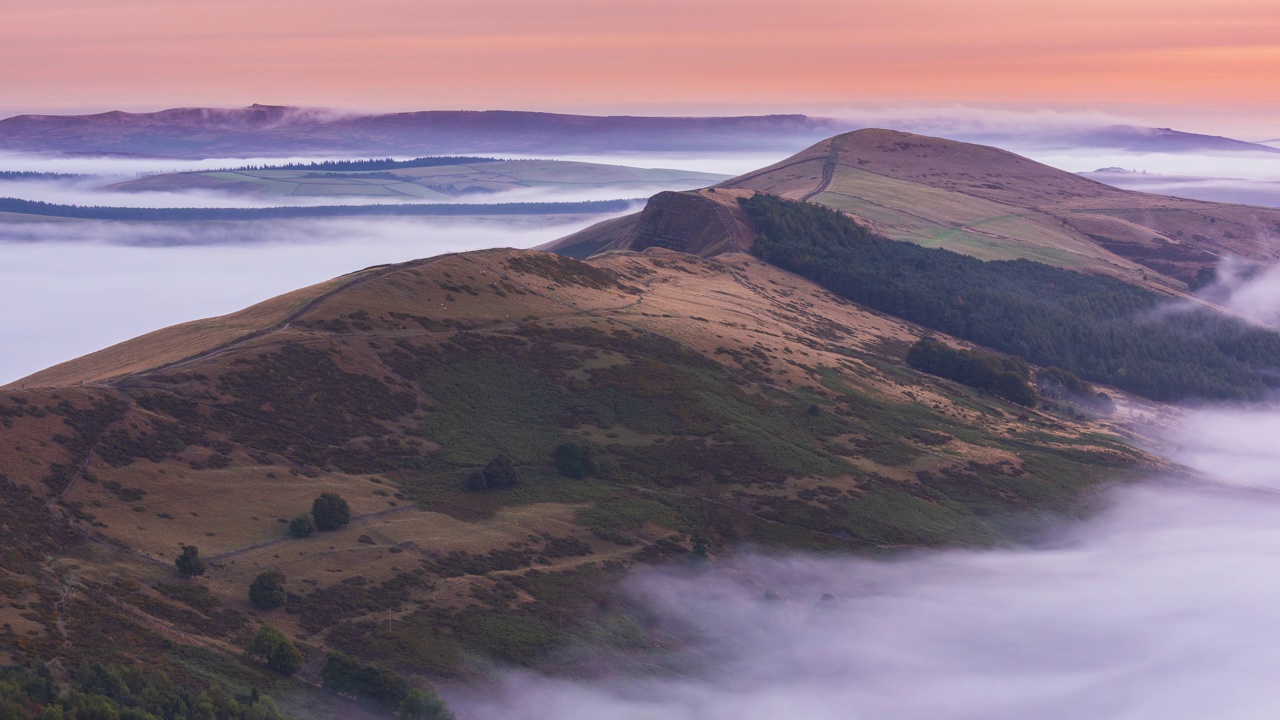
x,y
905,210
437,182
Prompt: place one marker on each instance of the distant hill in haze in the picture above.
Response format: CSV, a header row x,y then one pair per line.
x,y
1119,137
993,204
1166,140
284,130
278,130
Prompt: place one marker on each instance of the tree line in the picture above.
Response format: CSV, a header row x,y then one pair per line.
x,y
101,692
368,164
1098,328
1000,375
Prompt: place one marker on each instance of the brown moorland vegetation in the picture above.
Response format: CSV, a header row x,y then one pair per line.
x,y
719,398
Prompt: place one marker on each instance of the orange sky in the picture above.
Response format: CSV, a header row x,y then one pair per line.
x,y
638,55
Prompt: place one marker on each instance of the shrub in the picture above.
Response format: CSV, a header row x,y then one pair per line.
x,y
345,676
272,648
419,705
302,526
189,563
1001,375
330,511
573,460
339,673
476,482
267,590
499,473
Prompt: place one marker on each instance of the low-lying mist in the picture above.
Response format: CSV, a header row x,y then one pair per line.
x,y
72,287
1198,165
86,191
1161,607
95,172
1265,193
1247,289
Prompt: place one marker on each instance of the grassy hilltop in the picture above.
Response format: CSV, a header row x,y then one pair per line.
x,y
719,402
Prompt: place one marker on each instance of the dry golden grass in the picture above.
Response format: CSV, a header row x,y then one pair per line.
x,y
175,343
781,330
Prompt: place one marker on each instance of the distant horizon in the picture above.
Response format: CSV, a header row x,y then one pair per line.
x,y
1141,58
1251,124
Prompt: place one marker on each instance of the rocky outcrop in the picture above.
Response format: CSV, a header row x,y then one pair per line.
x,y
704,223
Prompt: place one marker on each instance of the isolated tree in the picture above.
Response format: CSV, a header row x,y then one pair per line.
x,y
476,482
267,590
272,648
345,676
701,546
573,460
382,686
189,562
420,705
501,473
302,526
330,511
339,673
264,708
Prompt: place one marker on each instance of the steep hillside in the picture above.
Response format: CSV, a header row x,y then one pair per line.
x,y
993,204
650,407
705,223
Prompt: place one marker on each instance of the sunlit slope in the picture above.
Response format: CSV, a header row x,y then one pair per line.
x,y
994,204
723,401
438,182
705,223
183,341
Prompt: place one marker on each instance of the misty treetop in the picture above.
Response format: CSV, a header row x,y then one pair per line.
x,y
370,164
1098,328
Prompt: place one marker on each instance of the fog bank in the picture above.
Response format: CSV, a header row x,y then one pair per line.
x,y
73,287
1246,288
1162,607
1224,190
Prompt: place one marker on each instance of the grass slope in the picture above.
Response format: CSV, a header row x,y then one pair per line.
x,y
995,205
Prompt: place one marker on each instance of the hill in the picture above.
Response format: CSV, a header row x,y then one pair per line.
x,y
993,204
18,209
650,407
281,130
1165,140
438,181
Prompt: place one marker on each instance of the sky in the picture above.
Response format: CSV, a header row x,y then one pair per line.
x,y
1208,64
82,286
